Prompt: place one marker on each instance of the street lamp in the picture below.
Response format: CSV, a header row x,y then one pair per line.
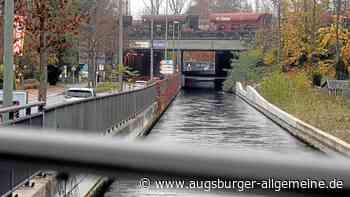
x,y
121,32
152,46
174,27
178,48
166,30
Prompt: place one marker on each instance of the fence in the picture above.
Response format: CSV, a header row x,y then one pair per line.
x,y
338,87
95,115
195,35
98,113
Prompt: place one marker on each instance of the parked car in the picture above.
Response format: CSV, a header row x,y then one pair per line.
x,y
74,94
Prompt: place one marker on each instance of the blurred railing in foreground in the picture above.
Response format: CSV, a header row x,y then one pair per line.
x,y
74,152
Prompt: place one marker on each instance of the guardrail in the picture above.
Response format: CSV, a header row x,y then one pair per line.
x,y
82,153
95,115
14,114
100,113
196,35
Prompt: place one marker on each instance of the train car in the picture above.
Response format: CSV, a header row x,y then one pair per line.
x,y
238,21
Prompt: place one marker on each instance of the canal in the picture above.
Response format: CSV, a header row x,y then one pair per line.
x,y
212,119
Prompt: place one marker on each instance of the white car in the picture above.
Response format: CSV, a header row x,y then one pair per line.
x,y
140,84
75,94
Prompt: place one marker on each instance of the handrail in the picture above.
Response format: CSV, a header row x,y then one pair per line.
x,y
48,108
18,108
93,153
23,183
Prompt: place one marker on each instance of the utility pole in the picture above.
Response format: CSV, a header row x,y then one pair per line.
x,y
152,47
179,57
8,54
340,69
279,39
121,33
121,43
337,33
166,29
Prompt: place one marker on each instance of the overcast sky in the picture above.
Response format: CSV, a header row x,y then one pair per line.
x,y
138,5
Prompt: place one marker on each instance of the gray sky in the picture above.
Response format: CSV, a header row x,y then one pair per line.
x,y
136,7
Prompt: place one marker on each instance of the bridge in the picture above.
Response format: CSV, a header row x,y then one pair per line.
x,y
196,44
220,44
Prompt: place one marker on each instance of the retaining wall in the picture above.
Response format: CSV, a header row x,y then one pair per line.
x,y
307,133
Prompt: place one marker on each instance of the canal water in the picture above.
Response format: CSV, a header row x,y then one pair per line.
x,y
212,119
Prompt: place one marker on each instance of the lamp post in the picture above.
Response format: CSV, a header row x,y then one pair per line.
x,y
174,28
152,48
166,29
8,53
121,32
178,48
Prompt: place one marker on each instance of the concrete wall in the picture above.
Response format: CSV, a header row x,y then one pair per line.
x,y
307,133
43,187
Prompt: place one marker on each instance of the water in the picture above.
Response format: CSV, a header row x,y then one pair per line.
x,y
212,119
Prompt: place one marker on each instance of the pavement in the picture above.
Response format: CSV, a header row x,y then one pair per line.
x,y
52,91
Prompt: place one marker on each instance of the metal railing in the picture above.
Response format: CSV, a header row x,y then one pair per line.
x,y
75,152
195,35
94,115
15,114
100,113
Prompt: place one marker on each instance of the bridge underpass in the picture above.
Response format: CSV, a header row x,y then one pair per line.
x,y
222,55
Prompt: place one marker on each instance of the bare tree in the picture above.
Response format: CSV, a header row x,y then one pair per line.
x,y
153,6
178,6
98,35
278,6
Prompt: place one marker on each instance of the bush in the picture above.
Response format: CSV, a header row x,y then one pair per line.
x,y
249,68
295,95
107,87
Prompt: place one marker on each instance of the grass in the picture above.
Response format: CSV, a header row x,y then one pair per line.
x,y
295,95
107,87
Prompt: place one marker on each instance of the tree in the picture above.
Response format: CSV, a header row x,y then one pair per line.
x,y
153,6
222,6
98,36
178,6
46,22
122,71
1,75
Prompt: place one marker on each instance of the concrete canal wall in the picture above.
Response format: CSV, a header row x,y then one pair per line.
x,y
307,133
142,123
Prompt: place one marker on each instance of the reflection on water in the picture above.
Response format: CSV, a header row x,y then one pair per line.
x,y
213,119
